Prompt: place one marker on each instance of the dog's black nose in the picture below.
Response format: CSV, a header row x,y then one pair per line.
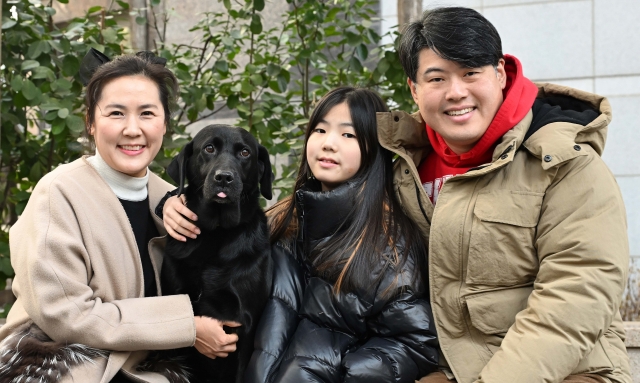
x,y
223,178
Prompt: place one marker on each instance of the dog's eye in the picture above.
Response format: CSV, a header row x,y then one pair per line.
x,y
209,148
245,153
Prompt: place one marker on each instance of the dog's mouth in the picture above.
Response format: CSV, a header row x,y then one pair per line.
x,y
223,196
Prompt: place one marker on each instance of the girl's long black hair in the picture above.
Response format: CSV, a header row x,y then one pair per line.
x,y
353,258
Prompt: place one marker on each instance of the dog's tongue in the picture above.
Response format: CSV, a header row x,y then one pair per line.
x,y
222,195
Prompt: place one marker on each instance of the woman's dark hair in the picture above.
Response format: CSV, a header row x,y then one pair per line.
x,y
456,34
130,65
376,220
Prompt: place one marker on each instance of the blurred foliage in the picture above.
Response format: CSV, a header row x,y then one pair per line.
x,y
270,77
273,77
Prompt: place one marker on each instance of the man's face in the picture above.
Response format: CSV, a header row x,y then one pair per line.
x,y
457,102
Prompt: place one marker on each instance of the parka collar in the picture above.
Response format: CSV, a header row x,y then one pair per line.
x,y
323,213
405,134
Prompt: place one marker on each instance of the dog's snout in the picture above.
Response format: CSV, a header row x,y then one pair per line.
x,y
222,177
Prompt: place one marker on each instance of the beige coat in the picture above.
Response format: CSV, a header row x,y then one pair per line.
x,y
528,256
79,275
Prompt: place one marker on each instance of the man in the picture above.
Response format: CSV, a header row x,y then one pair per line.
x,y
528,252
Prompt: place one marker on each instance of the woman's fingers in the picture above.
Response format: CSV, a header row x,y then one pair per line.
x,y
175,215
211,340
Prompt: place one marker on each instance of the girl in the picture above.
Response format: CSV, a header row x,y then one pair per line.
x,y
348,299
85,251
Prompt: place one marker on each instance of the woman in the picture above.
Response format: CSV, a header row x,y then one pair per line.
x,y
86,251
348,299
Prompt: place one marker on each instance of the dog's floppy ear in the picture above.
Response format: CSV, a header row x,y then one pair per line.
x,y
177,169
266,175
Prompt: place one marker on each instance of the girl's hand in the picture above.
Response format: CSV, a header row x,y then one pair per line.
x,y
174,213
211,340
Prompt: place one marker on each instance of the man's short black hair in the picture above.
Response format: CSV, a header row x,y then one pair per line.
x,y
457,34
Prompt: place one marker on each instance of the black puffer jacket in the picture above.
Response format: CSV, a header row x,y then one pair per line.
x,y
307,334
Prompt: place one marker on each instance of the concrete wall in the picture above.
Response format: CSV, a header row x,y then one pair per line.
x,y
591,45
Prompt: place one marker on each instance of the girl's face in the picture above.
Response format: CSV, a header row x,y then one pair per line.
x,y
129,124
333,153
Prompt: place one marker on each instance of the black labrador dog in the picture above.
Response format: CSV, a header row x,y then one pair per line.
x,y
227,269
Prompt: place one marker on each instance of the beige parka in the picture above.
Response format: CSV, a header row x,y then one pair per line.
x,y
528,255
79,275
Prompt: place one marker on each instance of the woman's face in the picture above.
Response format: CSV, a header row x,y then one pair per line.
x,y
333,153
129,124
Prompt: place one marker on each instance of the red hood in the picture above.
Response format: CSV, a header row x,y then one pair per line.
x,y
519,95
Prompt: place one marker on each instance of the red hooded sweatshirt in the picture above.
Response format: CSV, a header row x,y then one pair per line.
x,y
442,163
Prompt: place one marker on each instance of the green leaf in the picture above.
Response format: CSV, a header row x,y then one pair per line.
x,y
5,266
233,101
201,103
258,115
51,115
74,123
29,90
70,65
227,4
141,20
29,64
192,114
123,4
96,8
222,66
65,45
63,113
52,105
362,52
258,5
16,83
246,87
8,23
63,1
331,15
256,25
58,127
62,84
43,72
36,171
256,79
355,64
155,3
282,82
383,65
353,38
111,36
273,69
56,45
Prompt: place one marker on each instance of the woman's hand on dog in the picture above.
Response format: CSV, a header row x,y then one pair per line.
x,y
176,218
211,340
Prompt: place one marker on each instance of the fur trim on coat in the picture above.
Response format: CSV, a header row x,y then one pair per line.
x,y
29,355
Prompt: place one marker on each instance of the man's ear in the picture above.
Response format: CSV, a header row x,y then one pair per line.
x,y
412,88
501,73
177,169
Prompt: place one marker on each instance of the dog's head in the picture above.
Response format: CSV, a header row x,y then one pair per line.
x,y
222,162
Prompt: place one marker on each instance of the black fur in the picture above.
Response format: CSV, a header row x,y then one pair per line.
x,y
227,270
